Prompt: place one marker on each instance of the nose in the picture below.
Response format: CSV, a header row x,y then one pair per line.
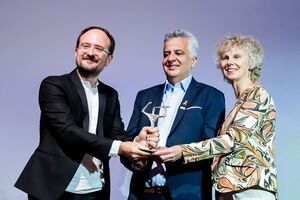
x,y
171,57
90,51
229,62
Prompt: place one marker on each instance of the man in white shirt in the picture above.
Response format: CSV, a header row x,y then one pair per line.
x,y
80,129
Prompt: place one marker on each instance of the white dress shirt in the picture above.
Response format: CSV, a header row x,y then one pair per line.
x,y
87,179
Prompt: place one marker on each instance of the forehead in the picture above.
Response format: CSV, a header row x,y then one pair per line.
x,y
179,43
95,36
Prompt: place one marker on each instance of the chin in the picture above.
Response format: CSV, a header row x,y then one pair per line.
x,y
172,73
87,72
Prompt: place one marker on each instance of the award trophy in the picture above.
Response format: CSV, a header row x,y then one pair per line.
x,y
153,117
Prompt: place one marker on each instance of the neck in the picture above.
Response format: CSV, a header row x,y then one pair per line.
x,y
92,80
239,88
174,81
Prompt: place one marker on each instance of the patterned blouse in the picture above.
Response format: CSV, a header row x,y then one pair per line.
x,y
244,149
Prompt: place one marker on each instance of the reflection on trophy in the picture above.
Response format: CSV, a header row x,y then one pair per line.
x,y
154,115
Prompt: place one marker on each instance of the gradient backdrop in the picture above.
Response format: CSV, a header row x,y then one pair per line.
x,y
37,39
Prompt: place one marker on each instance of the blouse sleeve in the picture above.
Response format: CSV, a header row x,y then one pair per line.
x,y
253,125
207,149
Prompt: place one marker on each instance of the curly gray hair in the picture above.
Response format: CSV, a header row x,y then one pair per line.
x,y
251,46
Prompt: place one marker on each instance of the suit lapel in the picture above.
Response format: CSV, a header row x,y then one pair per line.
x,y
158,96
187,99
157,99
102,106
80,90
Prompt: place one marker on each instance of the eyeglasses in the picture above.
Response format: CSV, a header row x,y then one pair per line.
x,y
97,48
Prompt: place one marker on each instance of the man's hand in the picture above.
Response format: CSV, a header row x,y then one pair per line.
x,y
87,162
137,151
133,150
148,136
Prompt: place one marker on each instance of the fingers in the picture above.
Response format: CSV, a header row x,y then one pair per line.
x,y
147,130
150,129
134,150
87,162
162,151
152,144
150,135
170,154
153,137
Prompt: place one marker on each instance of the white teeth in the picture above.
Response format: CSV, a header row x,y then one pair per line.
x,y
229,68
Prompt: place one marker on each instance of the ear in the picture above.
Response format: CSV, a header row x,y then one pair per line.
x,y
250,67
108,60
194,61
75,52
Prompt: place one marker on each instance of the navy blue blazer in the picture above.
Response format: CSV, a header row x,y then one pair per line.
x,y
199,117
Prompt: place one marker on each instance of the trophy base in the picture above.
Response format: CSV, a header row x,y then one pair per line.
x,y
148,150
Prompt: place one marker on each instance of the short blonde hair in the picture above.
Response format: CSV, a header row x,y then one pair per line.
x,y
251,46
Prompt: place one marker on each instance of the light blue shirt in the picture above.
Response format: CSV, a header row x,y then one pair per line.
x,y
172,99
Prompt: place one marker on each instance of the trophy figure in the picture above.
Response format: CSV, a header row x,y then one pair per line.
x,y
153,117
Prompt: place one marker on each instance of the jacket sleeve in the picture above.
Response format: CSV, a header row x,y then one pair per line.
x,y
134,127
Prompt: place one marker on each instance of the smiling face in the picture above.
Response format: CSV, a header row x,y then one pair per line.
x,y
235,65
177,60
90,60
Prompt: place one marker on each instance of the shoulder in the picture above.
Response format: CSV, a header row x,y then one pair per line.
x,y
261,97
56,79
260,94
205,88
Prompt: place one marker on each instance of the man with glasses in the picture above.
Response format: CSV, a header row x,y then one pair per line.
x,y
80,129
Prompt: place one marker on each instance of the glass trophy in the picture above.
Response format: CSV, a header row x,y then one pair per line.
x,y
153,117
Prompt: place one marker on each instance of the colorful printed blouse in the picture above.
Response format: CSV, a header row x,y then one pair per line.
x,y
244,149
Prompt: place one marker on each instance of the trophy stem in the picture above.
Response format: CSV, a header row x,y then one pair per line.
x,y
152,124
152,116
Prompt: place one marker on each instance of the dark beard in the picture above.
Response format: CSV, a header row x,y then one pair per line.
x,y
87,73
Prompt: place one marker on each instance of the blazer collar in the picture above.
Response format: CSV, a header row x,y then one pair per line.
x,y
102,106
187,99
102,103
80,90
156,101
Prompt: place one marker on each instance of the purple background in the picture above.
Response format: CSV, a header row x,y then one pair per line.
x,y
38,39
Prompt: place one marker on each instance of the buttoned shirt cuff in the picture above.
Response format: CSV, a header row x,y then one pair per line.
x,y
114,150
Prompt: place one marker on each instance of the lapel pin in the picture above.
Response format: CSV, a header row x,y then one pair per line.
x,y
185,102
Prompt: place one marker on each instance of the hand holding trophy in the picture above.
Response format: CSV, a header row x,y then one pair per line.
x,y
153,117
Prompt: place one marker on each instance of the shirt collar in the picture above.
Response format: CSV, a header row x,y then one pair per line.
x,y
88,84
183,85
